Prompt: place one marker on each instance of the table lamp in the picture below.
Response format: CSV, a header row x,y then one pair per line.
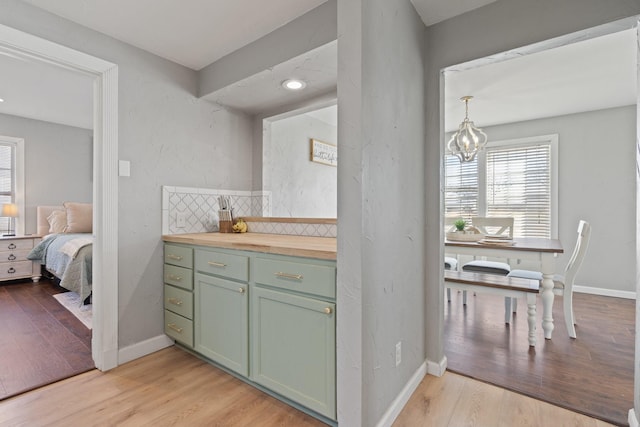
x,y
9,210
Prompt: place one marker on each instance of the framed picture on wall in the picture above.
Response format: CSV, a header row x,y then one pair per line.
x,y
323,152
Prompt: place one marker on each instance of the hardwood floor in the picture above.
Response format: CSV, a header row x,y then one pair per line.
x,y
174,388
40,341
592,374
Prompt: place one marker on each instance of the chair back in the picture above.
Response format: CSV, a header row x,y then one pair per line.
x,y
570,272
493,226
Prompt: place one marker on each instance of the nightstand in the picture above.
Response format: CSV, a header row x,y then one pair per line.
x,y
13,258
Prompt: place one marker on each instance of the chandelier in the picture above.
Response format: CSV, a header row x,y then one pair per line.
x,y
468,140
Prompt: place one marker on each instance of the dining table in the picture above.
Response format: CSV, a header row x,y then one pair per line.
x,y
541,250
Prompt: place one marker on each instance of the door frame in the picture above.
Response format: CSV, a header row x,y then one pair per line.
x,y
104,344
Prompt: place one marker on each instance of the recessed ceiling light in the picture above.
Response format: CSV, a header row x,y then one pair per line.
x,y
293,84
1,100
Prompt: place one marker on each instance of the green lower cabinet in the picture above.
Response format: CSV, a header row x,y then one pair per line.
x,y
293,348
222,322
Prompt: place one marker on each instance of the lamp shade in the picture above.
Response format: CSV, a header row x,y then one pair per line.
x,y
9,210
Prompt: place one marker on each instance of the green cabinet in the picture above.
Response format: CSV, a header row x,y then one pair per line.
x,y
178,295
293,348
269,318
221,327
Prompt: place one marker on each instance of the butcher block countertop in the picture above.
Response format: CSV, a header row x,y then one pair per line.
x,y
303,246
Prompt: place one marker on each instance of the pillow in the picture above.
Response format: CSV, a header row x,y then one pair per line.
x,y
79,217
57,221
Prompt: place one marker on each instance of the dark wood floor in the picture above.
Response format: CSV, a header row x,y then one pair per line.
x,y
40,341
592,374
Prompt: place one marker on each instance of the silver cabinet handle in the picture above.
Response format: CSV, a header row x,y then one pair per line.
x,y
174,327
216,264
288,275
175,301
173,277
328,310
175,257
241,290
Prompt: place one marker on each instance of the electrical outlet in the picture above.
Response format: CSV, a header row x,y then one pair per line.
x,y
398,353
181,219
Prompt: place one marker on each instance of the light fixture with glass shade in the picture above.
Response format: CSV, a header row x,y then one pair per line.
x,y
469,139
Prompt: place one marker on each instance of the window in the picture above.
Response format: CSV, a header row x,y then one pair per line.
x,y
12,180
508,178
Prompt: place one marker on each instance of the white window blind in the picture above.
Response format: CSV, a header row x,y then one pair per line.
x,y
461,188
519,186
507,179
7,179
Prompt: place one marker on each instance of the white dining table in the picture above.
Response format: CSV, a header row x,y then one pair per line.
x,y
543,251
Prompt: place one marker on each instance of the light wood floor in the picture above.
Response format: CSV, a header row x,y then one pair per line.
x,y
174,388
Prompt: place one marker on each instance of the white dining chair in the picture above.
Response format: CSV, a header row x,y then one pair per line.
x,y
491,226
451,263
563,285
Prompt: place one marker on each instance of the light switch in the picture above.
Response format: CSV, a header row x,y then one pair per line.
x,y
124,168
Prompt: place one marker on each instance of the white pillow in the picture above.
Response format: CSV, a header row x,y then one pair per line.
x,y
79,217
57,221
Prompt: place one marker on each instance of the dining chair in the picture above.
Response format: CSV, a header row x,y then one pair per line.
x,y
563,285
491,226
451,263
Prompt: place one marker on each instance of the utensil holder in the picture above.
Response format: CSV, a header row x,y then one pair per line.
x,y
225,220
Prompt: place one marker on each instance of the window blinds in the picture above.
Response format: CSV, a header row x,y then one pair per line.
x,y
518,185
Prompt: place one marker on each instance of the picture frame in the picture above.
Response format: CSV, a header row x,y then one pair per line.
x,y
323,152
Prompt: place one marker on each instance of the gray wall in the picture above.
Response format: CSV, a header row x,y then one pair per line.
x,y
497,27
57,163
169,136
380,204
299,187
596,182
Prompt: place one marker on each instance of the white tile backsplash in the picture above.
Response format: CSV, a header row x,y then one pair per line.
x,y
201,208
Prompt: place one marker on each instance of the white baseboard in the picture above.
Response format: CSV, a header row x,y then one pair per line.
x,y
143,348
604,292
633,421
398,403
437,369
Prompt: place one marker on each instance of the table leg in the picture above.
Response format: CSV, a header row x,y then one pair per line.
x,y
531,318
547,296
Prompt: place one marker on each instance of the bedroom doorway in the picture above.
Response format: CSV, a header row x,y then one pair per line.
x,y
105,180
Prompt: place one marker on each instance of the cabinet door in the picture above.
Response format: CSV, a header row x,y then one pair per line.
x,y
293,348
221,322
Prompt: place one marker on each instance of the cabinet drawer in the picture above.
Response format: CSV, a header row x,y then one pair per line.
x,y
178,255
9,270
178,276
179,301
14,255
11,244
221,264
178,328
296,276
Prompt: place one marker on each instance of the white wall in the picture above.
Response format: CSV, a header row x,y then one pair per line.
x,y
381,209
596,182
170,137
299,187
57,163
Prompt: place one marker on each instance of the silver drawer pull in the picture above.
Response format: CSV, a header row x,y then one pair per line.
x,y
216,264
175,257
175,301
328,310
289,275
174,277
174,327
241,290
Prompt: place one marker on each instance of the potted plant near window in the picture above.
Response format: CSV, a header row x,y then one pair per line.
x,y
464,233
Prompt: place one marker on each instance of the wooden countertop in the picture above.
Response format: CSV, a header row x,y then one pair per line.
x,y
304,246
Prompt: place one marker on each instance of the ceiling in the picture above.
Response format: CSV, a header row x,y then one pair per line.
x,y
588,75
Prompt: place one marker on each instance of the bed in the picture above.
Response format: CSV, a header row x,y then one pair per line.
x,y
67,246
